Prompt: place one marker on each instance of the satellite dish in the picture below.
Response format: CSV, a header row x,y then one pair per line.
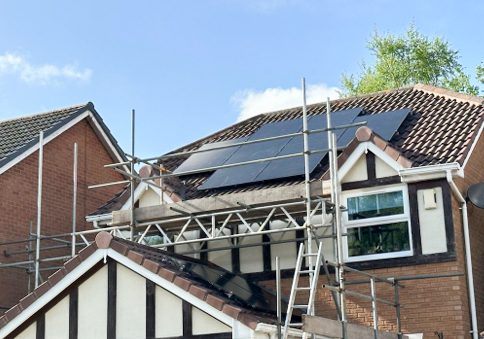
x,y
475,193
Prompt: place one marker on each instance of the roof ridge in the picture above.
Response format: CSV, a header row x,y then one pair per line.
x,y
334,101
449,94
72,107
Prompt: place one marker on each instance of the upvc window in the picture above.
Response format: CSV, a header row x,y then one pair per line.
x,y
377,224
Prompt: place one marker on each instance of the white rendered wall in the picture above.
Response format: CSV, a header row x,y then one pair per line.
x,y
251,257
149,198
358,172
382,169
57,320
169,314
286,252
223,257
93,305
130,304
202,323
432,224
181,249
29,333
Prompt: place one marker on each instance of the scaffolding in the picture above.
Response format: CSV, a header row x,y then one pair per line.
x,y
234,220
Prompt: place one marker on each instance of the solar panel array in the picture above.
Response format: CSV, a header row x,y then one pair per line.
x,y
384,124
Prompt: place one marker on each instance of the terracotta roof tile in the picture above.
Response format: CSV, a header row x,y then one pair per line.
x,y
167,274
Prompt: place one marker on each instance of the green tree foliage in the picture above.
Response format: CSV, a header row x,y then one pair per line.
x,y
407,60
480,73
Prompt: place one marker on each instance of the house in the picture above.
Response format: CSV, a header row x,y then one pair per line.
x,y
403,179
19,148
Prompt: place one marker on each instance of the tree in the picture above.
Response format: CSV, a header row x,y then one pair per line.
x,y
410,59
480,73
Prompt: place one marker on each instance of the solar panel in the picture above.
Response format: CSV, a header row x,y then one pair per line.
x,y
247,173
283,168
233,176
266,149
210,158
384,124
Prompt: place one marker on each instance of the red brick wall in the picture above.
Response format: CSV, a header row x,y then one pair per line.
x,y
427,305
474,173
18,199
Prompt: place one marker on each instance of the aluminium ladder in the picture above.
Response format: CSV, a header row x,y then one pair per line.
x,y
312,288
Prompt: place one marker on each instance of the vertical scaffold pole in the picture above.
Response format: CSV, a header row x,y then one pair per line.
x,y
307,182
337,216
374,310
278,292
39,208
132,182
29,250
74,201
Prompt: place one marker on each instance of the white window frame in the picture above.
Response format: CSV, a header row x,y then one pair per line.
x,y
388,219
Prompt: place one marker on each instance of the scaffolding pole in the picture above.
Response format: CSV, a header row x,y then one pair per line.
x,y
307,183
74,202
132,223
39,208
337,215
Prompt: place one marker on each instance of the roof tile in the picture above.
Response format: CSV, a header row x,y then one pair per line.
x,y
215,301
136,257
182,282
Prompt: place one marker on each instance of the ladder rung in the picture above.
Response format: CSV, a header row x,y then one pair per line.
x,y
306,271
300,306
303,288
310,255
295,324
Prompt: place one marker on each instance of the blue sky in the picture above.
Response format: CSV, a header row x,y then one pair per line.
x,y
190,68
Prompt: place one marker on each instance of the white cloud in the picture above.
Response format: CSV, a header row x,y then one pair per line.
x,y
40,74
251,102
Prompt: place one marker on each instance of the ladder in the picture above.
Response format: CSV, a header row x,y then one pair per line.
x,y
312,288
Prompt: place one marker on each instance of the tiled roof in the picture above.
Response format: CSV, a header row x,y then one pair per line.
x,y
440,128
19,134
162,263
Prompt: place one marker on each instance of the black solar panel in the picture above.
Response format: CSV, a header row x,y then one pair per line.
x,y
211,158
283,168
247,173
384,124
233,175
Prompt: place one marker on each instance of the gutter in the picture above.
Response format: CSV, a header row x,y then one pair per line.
x,y
431,172
98,219
468,256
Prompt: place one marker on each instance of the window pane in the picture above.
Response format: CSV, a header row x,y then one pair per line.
x,y
375,205
378,239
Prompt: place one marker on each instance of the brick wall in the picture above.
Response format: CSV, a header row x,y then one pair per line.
x,y
427,305
18,199
474,173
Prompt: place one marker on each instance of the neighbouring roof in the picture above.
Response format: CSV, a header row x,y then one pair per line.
x,y
218,293
20,134
440,128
